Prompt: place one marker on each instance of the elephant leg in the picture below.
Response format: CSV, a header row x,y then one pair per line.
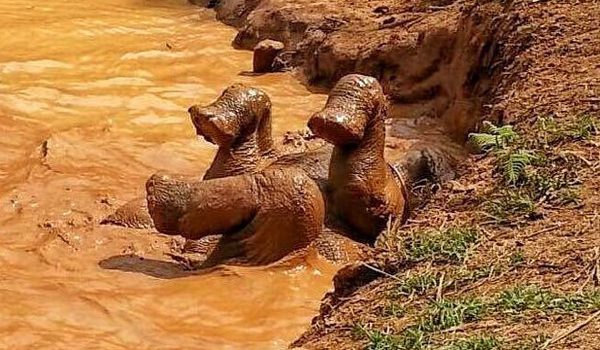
x,y
268,238
262,217
264,240
133,214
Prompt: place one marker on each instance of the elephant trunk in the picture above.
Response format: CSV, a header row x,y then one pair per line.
x,y
214,126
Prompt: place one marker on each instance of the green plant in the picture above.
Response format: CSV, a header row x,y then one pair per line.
x,y
511,161
523,298
410,339
381,341
413,339
520,299
418,283
552,132
394,310
492,138
450,245
508,204
450,313
512,164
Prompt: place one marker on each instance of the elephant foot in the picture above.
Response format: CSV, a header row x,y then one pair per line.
x,y
339,249
192,254
133,214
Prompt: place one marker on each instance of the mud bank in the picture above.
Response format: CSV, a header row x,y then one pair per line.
x,y
456,62
529,61
434,58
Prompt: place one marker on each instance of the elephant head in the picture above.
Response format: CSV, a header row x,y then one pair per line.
x,y
365,192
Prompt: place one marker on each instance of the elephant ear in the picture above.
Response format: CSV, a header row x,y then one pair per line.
x,y
133,214
269,238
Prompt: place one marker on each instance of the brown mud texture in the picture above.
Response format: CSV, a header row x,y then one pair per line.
x,y
459,63
432,58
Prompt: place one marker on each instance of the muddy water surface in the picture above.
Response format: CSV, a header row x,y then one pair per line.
x,y
93,99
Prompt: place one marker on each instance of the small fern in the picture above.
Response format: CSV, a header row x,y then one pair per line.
x,y
512,164
492,138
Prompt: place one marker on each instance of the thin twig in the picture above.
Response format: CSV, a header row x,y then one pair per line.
x,y
440,290
381,272
547,229
570,331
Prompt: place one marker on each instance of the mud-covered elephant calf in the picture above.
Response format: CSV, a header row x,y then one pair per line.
x,y
365,191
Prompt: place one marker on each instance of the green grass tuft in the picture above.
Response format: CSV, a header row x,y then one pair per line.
x,y
553,133
450,245
524,298
417,284
447,314
411,339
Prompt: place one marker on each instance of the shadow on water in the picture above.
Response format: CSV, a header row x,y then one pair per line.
x,y
151,267
246,73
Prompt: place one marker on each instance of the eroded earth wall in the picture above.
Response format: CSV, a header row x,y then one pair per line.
x,y
434,58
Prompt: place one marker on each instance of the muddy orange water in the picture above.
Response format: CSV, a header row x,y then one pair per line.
x,y
93,99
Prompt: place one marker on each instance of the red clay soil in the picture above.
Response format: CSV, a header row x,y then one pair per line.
x,y
460,62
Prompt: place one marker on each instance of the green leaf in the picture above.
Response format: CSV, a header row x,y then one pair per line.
x,y
513,164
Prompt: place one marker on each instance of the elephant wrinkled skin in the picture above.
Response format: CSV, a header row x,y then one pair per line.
x,y
359,189
224,123
263,217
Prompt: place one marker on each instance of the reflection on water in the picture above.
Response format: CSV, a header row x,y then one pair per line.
x,y
93,99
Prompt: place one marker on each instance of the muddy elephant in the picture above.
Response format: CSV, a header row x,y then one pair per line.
x,y
239,122
364,190
225,123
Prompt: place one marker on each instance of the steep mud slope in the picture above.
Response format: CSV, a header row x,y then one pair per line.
x,y
433,58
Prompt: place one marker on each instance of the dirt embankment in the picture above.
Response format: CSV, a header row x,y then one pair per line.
x,y
533,64
433,57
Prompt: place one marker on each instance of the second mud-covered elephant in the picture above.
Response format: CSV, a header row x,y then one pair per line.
x,y
239,123
364,190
